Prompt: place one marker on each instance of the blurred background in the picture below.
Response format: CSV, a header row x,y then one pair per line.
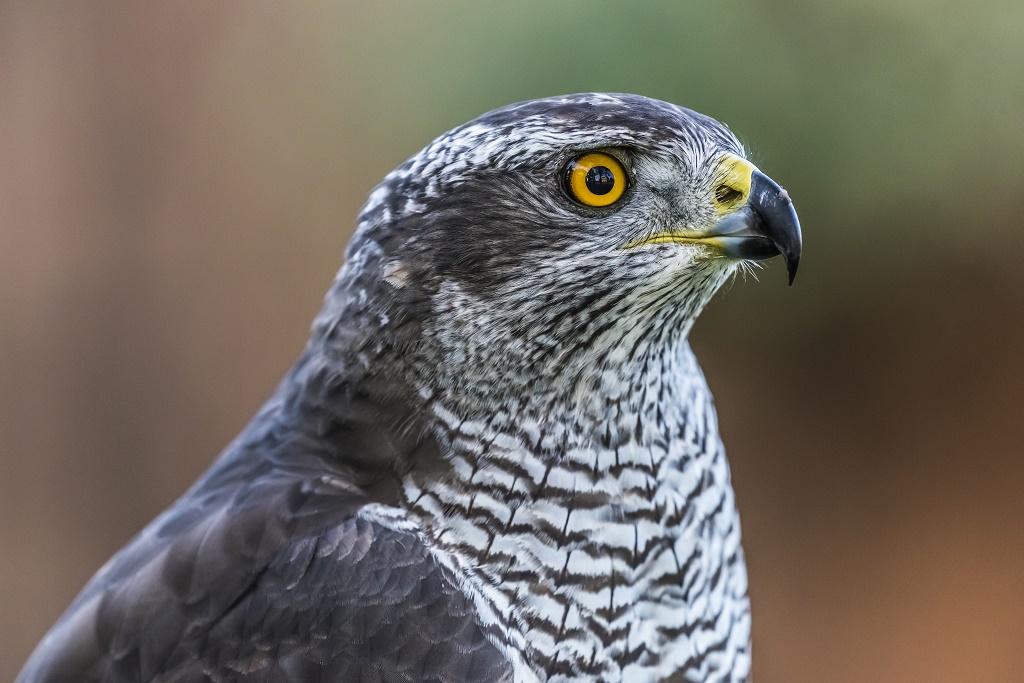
x,y
178,181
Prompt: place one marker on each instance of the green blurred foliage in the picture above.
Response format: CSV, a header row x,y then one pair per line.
x,y
856,104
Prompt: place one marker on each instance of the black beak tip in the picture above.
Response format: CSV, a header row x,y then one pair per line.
x,y
777,220
792,263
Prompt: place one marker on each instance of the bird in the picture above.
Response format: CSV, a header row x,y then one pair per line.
x,y
497,458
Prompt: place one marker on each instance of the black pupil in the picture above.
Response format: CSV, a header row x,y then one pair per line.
x,y
600,180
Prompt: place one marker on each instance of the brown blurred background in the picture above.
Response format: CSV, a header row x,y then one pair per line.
x,y
178,180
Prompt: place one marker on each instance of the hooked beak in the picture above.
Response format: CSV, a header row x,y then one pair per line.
x,y
757,218
764,227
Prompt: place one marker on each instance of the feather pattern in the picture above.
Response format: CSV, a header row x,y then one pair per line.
x,y
497,459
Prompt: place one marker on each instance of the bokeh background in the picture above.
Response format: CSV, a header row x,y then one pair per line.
x,y
178,180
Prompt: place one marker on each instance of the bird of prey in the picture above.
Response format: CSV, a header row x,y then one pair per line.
x,y
497,458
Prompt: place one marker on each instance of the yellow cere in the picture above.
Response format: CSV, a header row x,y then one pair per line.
x,y
731,186
596,179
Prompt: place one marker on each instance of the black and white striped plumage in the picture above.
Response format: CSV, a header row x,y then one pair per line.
x,y
497,459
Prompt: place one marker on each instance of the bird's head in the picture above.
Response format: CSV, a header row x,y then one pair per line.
x,y
565,226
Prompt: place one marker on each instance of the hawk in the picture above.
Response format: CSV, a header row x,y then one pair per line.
x,y
497,458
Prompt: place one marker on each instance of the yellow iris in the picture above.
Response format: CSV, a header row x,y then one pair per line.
x,y
596,179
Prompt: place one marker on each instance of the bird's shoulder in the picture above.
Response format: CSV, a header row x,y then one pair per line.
x,y
271,572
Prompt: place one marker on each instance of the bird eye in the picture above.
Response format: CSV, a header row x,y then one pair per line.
x,y
595,179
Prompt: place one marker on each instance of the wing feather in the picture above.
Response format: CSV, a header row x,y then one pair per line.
x,y
265,572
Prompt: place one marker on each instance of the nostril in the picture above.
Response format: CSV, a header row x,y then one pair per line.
x,y
727,194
